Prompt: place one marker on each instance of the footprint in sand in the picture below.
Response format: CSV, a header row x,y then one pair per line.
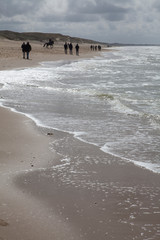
x,y
3,223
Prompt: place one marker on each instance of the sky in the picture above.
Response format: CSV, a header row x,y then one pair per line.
x,y
110,21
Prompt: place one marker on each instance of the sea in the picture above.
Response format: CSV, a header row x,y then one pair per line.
x,y
111,101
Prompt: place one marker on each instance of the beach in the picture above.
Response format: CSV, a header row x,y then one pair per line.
x,y
119,200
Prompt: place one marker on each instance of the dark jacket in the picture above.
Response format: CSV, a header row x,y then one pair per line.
x,y
23,47
28,47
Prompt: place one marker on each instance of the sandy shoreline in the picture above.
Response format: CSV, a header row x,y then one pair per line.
x,y
35,206
24,149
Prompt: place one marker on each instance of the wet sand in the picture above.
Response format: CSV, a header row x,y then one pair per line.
x,y
23,150
90,195
106,200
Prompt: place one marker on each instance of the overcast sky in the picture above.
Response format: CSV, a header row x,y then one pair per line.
x,y
123,21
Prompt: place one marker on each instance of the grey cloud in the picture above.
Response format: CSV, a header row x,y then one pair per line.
x,y
114,18
11,8
88,11
103,7
84,10
81,18
110,11
51,18
72,17
156,5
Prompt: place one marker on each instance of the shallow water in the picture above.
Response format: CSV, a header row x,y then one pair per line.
x,y
111,101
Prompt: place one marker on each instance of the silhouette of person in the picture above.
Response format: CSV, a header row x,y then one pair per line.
x,y
65,47
23,49
99,47
70,48
28,49
77,49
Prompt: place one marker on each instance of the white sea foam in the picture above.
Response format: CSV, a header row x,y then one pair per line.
x,y
147,165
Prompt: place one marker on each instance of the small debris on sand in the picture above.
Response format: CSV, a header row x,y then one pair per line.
x,y
3,223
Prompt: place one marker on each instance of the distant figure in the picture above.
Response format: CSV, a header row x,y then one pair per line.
x,y
70,48
65,47
28,49
77,49
99,47
23,49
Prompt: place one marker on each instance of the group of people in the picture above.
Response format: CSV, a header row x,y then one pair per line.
x,y
92,47
26,48
70,47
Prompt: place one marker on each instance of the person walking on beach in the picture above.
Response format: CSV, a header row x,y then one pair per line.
x,y
65,47
70,48
28,48
77,49
23,49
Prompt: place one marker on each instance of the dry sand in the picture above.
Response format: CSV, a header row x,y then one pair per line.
x,y
130,210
